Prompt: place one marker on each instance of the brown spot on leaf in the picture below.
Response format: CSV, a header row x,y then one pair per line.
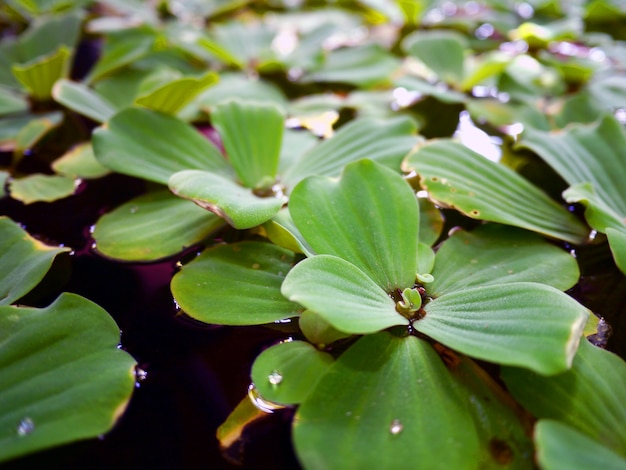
x,y
500,451
449,357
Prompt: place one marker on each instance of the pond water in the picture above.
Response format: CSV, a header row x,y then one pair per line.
x,y
195,374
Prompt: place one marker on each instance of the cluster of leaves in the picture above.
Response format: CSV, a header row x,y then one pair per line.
x,y
318,143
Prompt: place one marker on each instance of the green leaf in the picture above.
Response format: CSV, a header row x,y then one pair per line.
x,y
364,66
617,242
12,102
287,372
237,284
39,76
252,135
240,86
121,49
525,324
153,226
369,217
460,178
24,261
63,377
4,176
79,162
598,213
559,446
384,402
171,97
154,146
282,231
239,206
47,34
431,222
342,294
498,254
603,218
318,331
39,187
384,141
441,51
37,126
589,398
439,90
593,154
83,100
503,431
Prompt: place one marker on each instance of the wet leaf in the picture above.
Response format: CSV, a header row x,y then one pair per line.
x,y
63,377
560,446
25,261
497,254
153,146
342,294
525,324
338,216
237,205
287,372
457,177
375,401
153,226
39,187
587,398
237,284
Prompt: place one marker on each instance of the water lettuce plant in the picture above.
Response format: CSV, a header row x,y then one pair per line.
x,y
397,226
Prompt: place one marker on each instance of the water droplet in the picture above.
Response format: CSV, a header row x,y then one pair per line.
x,y
140,376
525,10
396,427
261,403
484,31
275,377
25,427
592,236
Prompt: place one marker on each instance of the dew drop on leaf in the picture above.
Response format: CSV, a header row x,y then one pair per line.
x,y
396,427
275,377
25,427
